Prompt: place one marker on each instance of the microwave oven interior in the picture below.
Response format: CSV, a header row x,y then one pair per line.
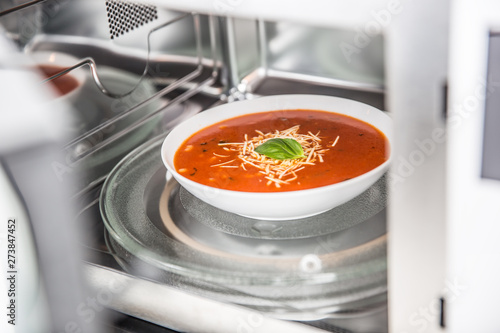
x,y
140,69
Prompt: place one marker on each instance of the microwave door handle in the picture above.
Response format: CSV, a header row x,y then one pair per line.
x,y
47,204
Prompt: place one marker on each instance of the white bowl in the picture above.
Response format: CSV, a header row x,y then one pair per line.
x,y
279,205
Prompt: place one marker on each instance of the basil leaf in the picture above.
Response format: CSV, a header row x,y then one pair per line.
x,y
281,149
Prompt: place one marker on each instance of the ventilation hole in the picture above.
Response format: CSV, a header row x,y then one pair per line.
x,y
124,16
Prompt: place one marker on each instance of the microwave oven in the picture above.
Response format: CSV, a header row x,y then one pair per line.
x,y
100,240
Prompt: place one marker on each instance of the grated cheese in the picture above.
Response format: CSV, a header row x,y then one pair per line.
x,y
224,163
336,140
277,172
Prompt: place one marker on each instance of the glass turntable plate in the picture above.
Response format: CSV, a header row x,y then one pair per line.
x,y
304,278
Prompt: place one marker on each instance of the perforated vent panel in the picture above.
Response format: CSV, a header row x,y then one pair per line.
x,y
125,16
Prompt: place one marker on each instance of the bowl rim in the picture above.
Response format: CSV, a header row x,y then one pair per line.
x,y
282,194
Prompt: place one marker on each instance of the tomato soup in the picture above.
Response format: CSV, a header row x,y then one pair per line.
x,y
336,148
62,84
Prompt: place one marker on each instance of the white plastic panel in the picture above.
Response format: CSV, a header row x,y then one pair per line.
x,y
473,223
329,13
416,72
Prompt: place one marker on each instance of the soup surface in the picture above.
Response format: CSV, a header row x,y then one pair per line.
x,y
336,148
63,84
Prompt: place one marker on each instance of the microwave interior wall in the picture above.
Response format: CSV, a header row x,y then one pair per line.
x,y
148,68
